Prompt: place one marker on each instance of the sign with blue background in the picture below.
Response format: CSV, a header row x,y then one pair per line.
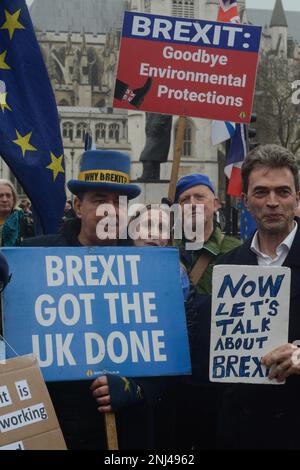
x,y
250,318
88,311
195,32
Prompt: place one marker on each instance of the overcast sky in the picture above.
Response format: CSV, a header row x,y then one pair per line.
x,y
267,4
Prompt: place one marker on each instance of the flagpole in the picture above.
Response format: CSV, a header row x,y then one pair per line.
x,y
227,196
177,157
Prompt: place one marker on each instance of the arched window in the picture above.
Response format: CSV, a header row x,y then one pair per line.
x,y
80,130
183,8
100,131
64,102
67,130
114,132
187,146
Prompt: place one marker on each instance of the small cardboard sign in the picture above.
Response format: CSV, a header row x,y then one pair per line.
x,y
27,417
250,318
187,67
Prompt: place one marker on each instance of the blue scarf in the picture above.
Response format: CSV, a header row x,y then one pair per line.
x,y
11,233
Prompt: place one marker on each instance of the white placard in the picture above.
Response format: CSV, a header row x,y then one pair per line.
x,y
250,317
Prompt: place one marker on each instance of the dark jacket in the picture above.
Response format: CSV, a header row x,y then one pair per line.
x,y
197,420
81,423
265,416
15,228
68,236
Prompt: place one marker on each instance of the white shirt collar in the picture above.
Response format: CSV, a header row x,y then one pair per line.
x,y
281,251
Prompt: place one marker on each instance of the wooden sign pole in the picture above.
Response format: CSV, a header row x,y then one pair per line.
x,y
177,158
110,421
111,431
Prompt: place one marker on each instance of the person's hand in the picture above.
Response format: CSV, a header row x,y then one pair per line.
x,y
283,361
100,391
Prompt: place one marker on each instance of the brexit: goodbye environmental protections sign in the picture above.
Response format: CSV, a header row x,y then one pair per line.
x,y
187,67
88,311
250,318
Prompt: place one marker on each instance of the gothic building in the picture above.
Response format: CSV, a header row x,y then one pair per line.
x,y
279,67
80,39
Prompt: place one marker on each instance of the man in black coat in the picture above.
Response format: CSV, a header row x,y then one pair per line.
x,y
103,177
268,416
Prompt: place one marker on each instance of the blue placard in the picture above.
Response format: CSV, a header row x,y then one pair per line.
x,y
202,33
88,311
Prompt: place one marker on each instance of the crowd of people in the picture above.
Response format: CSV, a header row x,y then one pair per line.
x,y
187,412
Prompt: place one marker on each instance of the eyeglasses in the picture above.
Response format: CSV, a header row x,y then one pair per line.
x,y
4,284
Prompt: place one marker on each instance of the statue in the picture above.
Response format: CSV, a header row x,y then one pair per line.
x,y
156,150
52,71
76,66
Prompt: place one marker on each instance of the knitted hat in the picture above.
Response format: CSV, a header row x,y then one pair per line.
x,y
189,181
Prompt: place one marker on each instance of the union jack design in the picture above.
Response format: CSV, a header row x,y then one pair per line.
x,y
228,11
128,96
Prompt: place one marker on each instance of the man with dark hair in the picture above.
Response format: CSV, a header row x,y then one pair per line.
x,y
271,156
264,416
103,177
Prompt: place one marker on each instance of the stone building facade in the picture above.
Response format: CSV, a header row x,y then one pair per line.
x,y
80,39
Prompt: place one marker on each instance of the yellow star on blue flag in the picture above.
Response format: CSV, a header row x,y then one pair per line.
x,y
56,165
126,384
23,142
12,22
3,96
248,225
30,139
3,64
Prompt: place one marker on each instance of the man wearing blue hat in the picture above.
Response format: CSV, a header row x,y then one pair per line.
x,y
103,177
198,420
193,190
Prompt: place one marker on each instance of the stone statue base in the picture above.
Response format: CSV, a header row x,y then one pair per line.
x,y
151,192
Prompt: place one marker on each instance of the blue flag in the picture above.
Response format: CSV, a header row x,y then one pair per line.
x,y
248,225
88,140
30,139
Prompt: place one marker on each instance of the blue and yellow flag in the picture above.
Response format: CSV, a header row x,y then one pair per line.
x,y
30,139
248,224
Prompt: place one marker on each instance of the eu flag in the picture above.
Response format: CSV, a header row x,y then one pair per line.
x,y
248,225
30,140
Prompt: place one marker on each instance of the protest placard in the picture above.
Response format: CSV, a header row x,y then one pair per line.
x,y
187,67
27,416
85,312
250,317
